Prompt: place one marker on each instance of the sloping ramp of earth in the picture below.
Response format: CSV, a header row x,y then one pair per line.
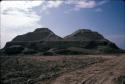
x,y
109,72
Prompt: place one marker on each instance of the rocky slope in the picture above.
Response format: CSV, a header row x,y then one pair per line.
x,y
44,41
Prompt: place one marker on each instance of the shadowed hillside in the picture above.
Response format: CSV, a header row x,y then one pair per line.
x,y
44,42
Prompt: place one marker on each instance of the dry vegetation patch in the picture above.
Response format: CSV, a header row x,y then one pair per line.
x,y
45,69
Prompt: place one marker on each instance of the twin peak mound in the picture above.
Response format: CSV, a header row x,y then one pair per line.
x,y
45,42
44,34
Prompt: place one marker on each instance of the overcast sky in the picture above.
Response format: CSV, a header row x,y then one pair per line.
x,y
64,17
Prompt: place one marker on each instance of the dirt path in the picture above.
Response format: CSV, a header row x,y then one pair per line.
x,y
109,72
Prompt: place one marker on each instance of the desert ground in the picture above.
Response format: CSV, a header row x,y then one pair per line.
x,y
70,69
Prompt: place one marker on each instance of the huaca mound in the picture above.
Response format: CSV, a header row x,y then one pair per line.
x,y
46,42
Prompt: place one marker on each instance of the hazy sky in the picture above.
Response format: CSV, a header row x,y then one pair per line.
x,y
64,17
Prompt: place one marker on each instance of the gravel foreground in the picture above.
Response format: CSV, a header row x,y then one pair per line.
x,y
82,69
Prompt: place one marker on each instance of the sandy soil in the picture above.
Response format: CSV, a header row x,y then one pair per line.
x,y
81,69
108,72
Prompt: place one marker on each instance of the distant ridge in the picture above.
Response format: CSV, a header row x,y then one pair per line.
x,y
45,42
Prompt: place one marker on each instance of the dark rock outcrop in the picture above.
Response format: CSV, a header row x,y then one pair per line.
x,y
14,49
83,41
